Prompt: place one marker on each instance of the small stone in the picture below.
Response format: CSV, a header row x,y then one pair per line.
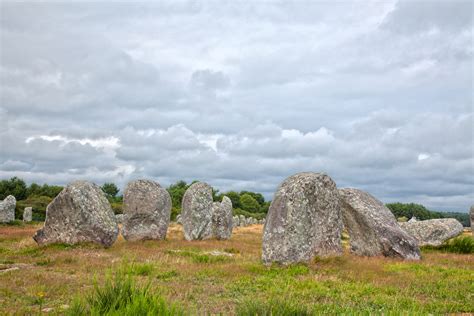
x,y
472,218
433,232
7,209
80,213
147,210
28,214
196,212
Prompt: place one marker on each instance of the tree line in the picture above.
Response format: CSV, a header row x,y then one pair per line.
x,y
247,203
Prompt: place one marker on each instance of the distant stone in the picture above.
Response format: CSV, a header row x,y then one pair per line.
x,y
119,218
433,232
242,221
373,229
304,220
7,209
236,221
147,211
80,213
28,214
196,212
413,219
222,220
472,218
178,219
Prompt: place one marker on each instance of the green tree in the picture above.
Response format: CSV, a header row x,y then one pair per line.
x,y
234,197
110,189
257,196
14,186
176,192
249,204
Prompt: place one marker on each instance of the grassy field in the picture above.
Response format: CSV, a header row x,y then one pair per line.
x,y
227,277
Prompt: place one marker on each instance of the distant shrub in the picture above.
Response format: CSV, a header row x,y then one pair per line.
x,y
37,202
117,207
121,296
271,308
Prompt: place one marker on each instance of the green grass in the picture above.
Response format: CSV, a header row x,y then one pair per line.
x,y
461,245
120,295
198,257
272,308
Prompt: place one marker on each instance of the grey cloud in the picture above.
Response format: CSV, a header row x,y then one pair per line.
x,y
377,95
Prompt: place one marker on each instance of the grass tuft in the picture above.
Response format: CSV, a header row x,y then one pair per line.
x,y
463,245
121,296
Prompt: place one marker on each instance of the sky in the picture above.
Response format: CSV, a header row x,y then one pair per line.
x,y
242,94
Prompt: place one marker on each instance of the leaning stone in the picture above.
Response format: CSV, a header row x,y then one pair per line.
x,y
28,214
7,209
304,220
146,209
433,232
196,212
373,229
80,213
222,220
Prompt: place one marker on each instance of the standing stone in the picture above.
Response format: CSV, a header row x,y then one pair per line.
x,y
373,229
7,209
236,221
147,211
196,212
222,220
242,221
472,218
178,219
413,219
304,220
433,232
28,214
80,213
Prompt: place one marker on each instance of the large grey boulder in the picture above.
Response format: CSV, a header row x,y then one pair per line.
x,y
7,209
373,229
80,213
433,232
147,211
28,214
304,220
222,220
196,212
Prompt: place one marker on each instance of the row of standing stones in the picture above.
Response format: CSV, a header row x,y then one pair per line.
x,y
305,219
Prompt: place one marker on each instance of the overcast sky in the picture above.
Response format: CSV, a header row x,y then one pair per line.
x,y
378,95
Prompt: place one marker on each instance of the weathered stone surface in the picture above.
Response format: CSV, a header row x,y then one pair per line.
x,y
242,221
304,220
7,209
28,214
80,213
146,209
373,229
472,218
222,220
178,219
235,221
119,218
433,232
196,212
